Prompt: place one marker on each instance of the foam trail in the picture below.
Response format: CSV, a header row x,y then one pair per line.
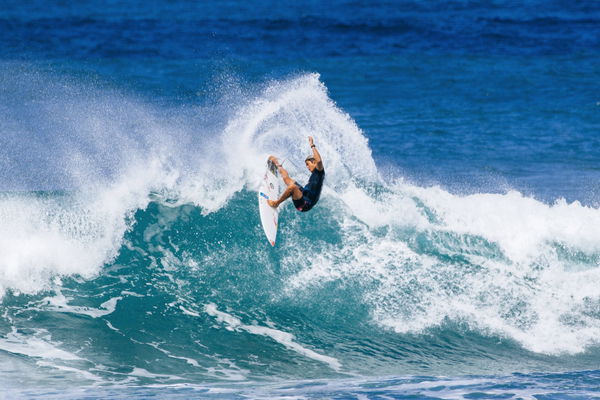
x,y
38,346
60,303
284,338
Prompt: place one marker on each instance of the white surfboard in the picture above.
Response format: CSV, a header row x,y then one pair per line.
x,y
269,190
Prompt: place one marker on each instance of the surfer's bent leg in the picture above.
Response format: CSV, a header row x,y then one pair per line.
x,y
285,176
282,171
292,189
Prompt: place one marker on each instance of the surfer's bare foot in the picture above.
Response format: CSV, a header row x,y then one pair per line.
x,y
272,203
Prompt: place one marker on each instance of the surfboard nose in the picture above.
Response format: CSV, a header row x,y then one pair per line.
x,y
269,216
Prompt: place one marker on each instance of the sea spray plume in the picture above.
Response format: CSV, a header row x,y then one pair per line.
x,y
61,133
73,135
279,120
114,151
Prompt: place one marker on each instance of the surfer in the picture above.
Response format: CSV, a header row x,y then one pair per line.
x,y
304,197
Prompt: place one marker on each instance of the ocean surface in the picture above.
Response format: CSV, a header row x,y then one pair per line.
x,y
455,251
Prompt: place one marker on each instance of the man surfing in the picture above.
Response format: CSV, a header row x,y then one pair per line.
x,y
306,197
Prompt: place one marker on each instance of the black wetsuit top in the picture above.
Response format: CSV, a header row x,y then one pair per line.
x,y
311,192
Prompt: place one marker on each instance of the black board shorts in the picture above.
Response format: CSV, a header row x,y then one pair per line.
x,y
304,204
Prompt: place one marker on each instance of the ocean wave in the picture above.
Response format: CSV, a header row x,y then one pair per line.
x,y
164,258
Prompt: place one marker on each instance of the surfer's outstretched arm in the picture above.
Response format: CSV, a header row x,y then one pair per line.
x,y
316,154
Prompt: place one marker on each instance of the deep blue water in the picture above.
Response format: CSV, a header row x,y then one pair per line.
x,y
455,251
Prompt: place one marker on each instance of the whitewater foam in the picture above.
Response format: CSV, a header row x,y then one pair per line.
x,y
492,262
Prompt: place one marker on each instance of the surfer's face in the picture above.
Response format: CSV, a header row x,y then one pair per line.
x,y
311,165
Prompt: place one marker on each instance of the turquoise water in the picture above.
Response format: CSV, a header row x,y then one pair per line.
x,y
453,254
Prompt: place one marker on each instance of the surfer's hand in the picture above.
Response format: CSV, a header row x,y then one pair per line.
x,y
272,203
310,140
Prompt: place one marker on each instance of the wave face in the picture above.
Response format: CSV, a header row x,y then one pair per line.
x,y
155,270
